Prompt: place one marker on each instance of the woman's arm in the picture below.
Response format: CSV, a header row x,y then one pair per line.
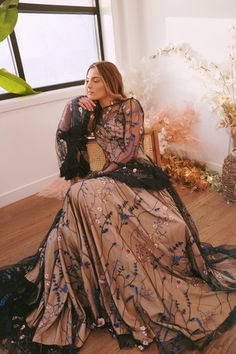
x,y
65,122
133,114
84,102
71,140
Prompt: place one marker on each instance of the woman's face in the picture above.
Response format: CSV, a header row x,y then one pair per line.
x,y
95,86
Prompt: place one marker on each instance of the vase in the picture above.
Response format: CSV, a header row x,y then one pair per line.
x,y
233,141
229,176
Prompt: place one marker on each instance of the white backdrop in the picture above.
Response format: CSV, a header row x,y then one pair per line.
x,y
132,29
202,24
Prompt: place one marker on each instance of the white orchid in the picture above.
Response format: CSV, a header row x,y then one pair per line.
x,y
221,78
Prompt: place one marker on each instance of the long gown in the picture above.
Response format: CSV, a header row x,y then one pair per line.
x,y
123,252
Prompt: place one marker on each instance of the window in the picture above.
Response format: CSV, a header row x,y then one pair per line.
x,y
53,43
61,2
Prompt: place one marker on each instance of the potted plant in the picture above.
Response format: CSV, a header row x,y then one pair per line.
x,y
8,20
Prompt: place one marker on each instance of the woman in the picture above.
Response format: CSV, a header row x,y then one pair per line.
x,y
123,251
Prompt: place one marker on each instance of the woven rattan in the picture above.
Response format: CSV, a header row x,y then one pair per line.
x,y
97,158
229,177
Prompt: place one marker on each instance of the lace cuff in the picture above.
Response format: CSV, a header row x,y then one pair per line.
x,y
71,144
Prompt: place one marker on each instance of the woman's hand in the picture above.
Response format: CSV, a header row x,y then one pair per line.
x,y
86,103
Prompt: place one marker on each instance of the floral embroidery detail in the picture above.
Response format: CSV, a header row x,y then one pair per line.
x,y
119,256
179,282
145,342
143,253
147,294
208,316
218,275
100,322
195,282
175,260
102,279
141,347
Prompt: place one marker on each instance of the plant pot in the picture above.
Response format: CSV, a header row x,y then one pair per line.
x,y
229,177
233,141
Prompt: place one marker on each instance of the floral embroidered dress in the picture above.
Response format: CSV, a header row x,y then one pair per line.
x,y
122,252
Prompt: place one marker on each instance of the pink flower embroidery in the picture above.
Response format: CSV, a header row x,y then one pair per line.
x,y
102,279
145,342
178,283
100,322
128,251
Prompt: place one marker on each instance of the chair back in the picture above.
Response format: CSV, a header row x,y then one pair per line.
x,y
97,158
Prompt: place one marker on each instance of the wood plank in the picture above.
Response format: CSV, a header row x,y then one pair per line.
x,y
24,224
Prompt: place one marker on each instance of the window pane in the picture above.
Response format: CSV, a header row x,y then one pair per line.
x,y
58,47
61,2
6,59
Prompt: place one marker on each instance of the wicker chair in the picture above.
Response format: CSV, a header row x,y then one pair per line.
x,y
59,187
151,148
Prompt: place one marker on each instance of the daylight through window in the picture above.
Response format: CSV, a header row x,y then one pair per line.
x,y
53,42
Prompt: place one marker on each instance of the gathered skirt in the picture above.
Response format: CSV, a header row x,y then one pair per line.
x,y
126,258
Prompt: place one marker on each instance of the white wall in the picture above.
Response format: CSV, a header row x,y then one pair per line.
x,y
128,34
27,132
155,13
27,142
28,125
142,26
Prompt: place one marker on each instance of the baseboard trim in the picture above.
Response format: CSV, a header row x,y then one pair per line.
x,y
37,186
25,191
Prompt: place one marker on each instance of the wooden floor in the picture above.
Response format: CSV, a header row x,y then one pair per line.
x,y
24,224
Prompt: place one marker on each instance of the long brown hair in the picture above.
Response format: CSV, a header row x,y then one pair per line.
x,y
112,78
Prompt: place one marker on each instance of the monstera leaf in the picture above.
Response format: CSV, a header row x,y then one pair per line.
x,y
8,17
15,84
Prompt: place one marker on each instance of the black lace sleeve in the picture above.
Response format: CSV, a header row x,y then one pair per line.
x,y
71,144
133,130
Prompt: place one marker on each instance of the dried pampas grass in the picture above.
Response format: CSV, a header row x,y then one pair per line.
x,y
175,125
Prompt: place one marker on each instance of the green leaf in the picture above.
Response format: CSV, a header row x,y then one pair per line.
x,y
15,84
8,17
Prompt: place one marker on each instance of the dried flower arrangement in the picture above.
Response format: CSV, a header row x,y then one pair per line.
x,y
221,79
174,127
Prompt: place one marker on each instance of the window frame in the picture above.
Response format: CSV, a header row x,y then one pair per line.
x,y
54,9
